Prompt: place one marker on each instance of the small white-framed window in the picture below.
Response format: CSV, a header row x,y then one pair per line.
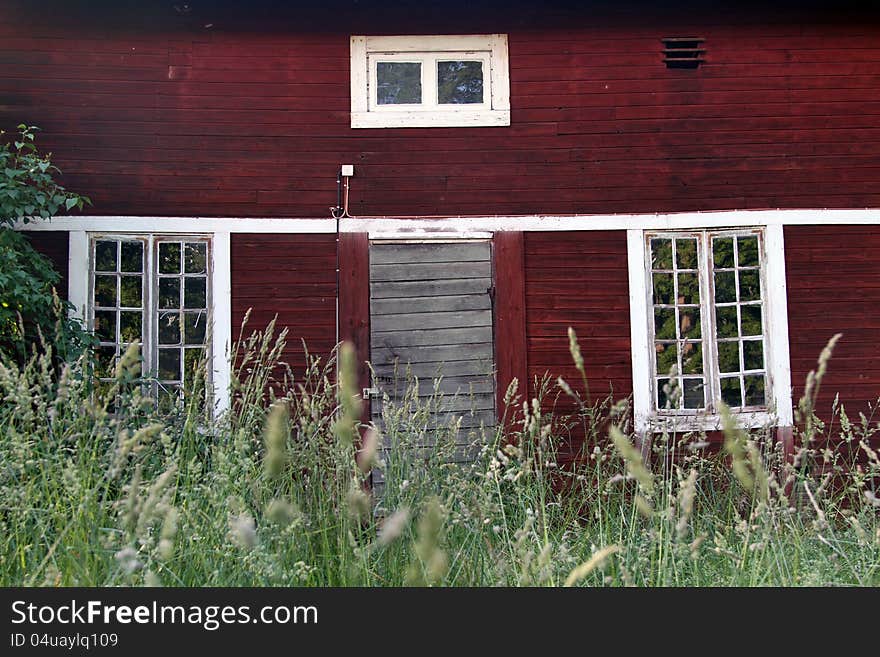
x,y
429,81
154,290
708,323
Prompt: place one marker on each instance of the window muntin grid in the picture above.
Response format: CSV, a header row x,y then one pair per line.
x,y
739,320
677,324
181,311
117,299
424,81
707,321
139,275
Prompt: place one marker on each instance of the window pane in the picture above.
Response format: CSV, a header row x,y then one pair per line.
x,y
169,328
194,293
754,386
105,256
663,394
686,253
663,289
194,327
730,392
748,251
132,257
722,251
130,326
130,291
749,285
192,359
751,320
398,83
661,254
728,356
692,358
459,82
667,357
753,354
169,364
169,293
725,319
169,257
105,325
725,287
690,323
105,291
693,393
664,324
105,361
688,288
195,257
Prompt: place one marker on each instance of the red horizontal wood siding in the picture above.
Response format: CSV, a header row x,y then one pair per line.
x,y
54,245
243,110
293,276
578,280
833,280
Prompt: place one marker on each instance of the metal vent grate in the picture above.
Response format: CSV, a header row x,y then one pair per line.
x,y
683,52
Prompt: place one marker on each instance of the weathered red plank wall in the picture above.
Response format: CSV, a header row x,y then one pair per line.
x,y
300,289
833,280
233,110
54,245
578,279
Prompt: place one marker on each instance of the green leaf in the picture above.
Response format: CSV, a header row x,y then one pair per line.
x,y
69,203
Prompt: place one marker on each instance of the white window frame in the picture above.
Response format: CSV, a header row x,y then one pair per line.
x,y
778,411
150,292
491,49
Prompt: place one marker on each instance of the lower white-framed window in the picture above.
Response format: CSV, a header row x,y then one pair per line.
x,y
708,327
154,290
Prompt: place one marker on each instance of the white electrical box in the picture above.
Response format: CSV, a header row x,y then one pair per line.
x,y
347,170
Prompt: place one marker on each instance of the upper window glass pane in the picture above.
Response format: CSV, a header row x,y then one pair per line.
x,y
459,82
399,83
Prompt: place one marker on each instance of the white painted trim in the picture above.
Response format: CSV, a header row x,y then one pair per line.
x,y
776,308
779,411
78,273
638,325
430,119
490,48
174,225
359,75
407,226
221,335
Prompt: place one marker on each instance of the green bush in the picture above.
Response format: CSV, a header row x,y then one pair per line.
x,y
31,314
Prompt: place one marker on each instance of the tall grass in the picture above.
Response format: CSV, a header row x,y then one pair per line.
x,y
97,487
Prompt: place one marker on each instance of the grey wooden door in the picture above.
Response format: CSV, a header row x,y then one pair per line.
x,y
431,321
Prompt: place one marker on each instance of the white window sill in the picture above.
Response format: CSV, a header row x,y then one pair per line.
x,y
422,119
680,422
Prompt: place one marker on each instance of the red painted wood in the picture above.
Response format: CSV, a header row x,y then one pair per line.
x,y
834,287
509,306
152,113
269,282
354,302
54,245
578,279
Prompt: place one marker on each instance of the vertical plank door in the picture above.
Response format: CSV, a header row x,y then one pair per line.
x,y
431,327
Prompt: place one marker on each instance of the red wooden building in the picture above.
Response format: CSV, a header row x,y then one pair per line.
x,y
694,190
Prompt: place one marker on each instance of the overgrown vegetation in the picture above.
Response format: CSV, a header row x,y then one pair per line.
x,y
275,492
30,308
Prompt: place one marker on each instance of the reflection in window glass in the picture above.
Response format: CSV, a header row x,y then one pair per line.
x,y
459,82
711,278
398,83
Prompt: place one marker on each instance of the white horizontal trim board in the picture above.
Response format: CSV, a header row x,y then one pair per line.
x,y
416,227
